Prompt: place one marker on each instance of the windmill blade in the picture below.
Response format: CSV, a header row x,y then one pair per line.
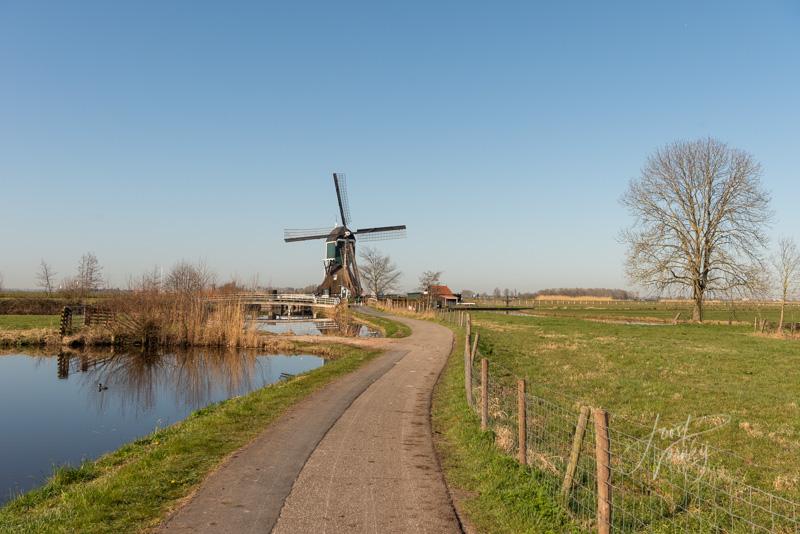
x,y
381,233
340,182
291,235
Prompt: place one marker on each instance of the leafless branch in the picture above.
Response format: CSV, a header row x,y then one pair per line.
x,y
45,277
378,272
786,263
700,218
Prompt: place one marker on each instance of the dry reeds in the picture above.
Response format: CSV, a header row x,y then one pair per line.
x,y
38,337
153,318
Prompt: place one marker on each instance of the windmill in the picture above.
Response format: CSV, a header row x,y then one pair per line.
x,y
341,271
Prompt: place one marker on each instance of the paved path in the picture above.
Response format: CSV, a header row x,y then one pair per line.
x,y
356,456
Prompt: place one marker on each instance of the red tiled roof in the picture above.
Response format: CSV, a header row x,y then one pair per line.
x,y
441,291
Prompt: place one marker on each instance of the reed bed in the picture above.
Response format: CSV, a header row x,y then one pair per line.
x,y
178,319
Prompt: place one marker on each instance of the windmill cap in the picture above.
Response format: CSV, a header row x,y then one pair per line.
x,y
340,232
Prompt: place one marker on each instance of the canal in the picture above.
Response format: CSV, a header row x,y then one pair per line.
x,y
62,409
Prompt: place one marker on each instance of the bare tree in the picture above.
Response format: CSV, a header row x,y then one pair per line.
x,y
90,273
255,283
70,287
700,213
148,282
187,278
787,269
378,272
428,279
1,281
45,277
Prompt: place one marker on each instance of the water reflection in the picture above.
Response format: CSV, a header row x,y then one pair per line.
x,y
57,409
194,377
315,327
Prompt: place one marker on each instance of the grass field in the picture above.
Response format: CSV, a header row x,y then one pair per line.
x,y
662,311
28,322
131,489
745,315
641,372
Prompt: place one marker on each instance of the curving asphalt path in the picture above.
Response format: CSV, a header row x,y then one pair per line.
x,y
356,456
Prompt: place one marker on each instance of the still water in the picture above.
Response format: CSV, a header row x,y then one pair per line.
x,y
314,327
57,410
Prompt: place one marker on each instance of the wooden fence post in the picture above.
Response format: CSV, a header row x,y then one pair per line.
x,y
484,394
66,321
474,347
522,423
577,442
602,449
468,373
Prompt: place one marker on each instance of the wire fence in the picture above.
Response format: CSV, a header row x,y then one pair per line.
x,y
612,474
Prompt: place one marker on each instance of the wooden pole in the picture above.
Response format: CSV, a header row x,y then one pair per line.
x,y
66,320
577,442
474,346
484,394
468,373
522,423
602,449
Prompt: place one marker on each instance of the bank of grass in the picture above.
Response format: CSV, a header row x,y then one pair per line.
x,y
388,327
739,313
28,322
492,490
31,337
132,488
640,373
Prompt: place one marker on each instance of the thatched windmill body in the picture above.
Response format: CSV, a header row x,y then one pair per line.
x,y
341,271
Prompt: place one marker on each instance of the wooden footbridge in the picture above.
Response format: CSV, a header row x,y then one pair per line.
x,y
279,304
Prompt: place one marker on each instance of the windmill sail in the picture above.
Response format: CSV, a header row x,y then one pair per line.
x,y
381,233
291,235
340,182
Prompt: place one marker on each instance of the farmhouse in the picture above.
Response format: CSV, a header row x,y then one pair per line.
x,y
443,297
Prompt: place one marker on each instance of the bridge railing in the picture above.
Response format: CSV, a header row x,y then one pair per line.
x,y
271,297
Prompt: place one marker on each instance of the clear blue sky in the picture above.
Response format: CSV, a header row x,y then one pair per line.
x,y
502,133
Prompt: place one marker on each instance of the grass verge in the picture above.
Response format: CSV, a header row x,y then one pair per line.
x,y
494,492
132,488
388,327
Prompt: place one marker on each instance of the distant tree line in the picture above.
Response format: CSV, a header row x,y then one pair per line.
x,y
572,292
617,294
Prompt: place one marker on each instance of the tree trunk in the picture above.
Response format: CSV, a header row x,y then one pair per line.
x,y
697,312
780,321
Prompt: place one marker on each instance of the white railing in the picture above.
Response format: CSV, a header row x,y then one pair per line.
x,y
271,297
